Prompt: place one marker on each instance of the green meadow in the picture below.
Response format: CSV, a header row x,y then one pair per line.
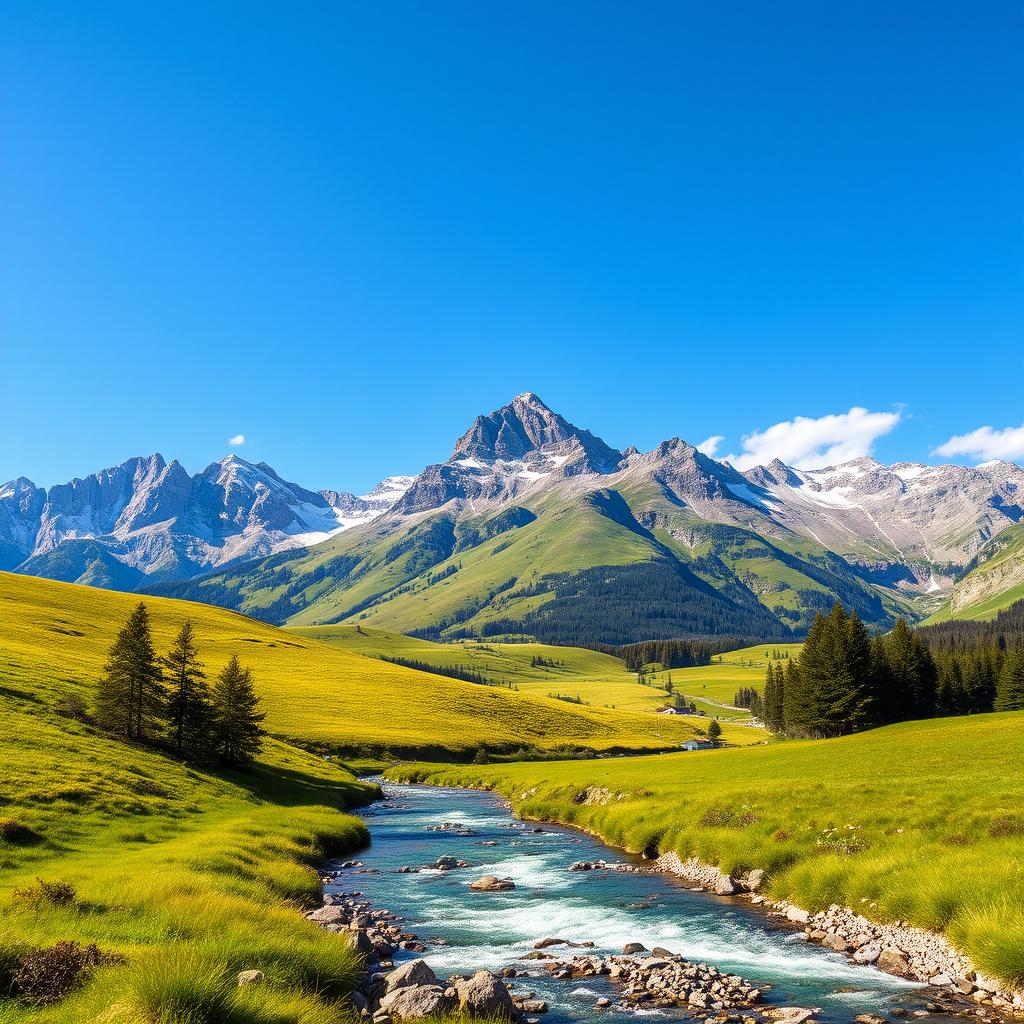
x,y
181,877
921,821
56,636
599,680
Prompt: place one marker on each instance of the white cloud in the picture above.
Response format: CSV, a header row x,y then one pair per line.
x,y
710,445
812,443
237,441
986,444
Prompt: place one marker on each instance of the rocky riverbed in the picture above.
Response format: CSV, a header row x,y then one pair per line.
x,y
895,948
560,924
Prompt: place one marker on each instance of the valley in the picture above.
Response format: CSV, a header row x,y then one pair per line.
x,y
471,627
884,821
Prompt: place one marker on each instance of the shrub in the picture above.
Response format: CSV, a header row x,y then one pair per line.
x,y
48,974
728,817
13,831
1006,826
71,705
56,894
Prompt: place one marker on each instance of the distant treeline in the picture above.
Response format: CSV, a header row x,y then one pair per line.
x,y
749,698
467,675
971,658
846,680
671,653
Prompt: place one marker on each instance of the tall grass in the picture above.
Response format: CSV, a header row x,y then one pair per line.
x,y
187,915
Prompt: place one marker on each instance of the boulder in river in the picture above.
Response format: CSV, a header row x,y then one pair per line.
x,y
789,1014
484,995
491,883
449,863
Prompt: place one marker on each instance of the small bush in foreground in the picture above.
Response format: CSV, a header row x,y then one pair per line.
x,y
56,894
72,706
47,975
13,831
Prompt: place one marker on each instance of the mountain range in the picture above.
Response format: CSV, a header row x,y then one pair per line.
x,y
534,526
147,520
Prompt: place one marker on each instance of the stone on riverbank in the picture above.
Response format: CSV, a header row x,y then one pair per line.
x,y
414,1002
415,972
484,995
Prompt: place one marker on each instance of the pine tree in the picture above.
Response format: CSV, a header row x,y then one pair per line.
x,y
799,707
237,733
714,731
774,700
130,697
835,690
188,697
1010,691
908,679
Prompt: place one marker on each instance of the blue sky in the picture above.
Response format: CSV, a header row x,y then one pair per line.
x,y
342,230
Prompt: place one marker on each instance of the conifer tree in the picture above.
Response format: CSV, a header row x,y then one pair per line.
x,y
835,690
906,676
130,697
714,731
774,700
237,733
1010,691
188,697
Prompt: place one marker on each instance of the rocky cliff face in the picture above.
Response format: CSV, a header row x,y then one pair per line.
x,y
525,426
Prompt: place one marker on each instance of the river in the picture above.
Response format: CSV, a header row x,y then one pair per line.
x,y
465,931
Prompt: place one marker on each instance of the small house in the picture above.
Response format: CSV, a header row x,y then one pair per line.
x,y
698,745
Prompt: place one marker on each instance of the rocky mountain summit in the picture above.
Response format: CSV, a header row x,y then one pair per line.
x,y
148,518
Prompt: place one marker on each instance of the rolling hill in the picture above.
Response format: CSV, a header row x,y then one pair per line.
x,y
313,692
541,669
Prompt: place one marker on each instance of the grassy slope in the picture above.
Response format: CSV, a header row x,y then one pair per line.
x,y
189,875
598,679
994,584
562,539
436,568
315,691
920,821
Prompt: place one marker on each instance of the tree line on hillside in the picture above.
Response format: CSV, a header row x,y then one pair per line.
x,y
971,659
467,675
749,698
166,700
670,653
846,680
